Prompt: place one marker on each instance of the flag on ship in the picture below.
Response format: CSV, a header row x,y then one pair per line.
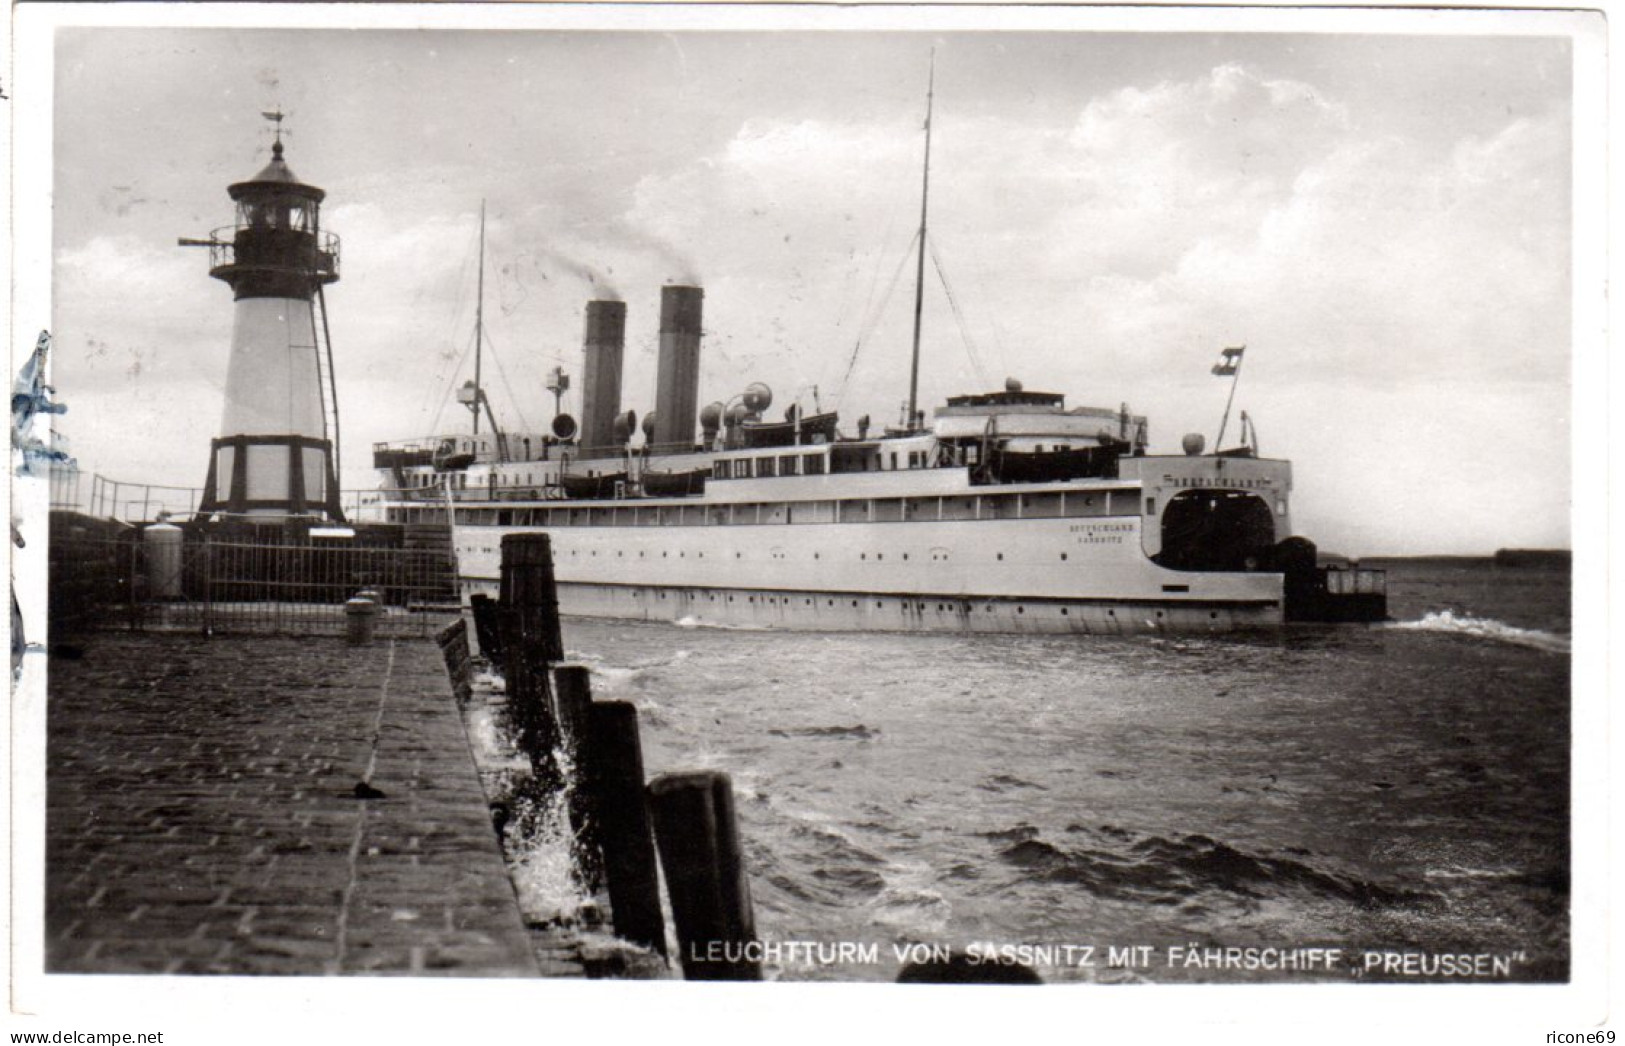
x,y
1230,361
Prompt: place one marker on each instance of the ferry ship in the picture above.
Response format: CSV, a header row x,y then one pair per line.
x,y
1004,511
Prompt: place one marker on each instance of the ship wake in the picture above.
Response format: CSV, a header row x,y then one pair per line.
x,y
1486,628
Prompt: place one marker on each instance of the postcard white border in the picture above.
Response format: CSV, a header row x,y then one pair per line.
x,y
272,1009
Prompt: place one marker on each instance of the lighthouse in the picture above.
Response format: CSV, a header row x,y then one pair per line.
x,y
274,458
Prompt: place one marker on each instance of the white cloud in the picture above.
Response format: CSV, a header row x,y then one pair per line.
x,y
1116,255
120,322
1104,250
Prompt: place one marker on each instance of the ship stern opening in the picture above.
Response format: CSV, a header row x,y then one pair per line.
x,y
1216,530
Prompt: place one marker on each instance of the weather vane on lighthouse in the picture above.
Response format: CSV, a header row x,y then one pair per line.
x,y
277,454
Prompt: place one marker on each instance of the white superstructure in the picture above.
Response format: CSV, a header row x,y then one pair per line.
x,y
904,532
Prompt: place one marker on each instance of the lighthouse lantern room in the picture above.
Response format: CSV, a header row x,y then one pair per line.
x,y
274,459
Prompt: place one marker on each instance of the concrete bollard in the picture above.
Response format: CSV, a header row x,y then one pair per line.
x,y
698,837
572,702
360,619
164,545
615,776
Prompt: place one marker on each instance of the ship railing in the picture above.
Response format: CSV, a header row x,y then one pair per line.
x,y
123,581
1344,581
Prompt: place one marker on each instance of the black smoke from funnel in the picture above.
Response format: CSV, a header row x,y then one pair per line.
x,y
686,271
603,287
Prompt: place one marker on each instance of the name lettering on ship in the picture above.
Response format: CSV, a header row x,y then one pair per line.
x,y
1101,533
1221,483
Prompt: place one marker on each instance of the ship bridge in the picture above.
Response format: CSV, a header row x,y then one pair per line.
x,y
1035,422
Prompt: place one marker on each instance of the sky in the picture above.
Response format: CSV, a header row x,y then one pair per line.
x,y
1384,221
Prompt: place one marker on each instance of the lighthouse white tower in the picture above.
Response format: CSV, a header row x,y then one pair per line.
x,y
274,458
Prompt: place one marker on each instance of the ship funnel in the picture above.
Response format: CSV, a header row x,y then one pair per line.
x,y
601,380
677,380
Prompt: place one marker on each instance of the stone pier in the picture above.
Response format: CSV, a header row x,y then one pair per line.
x,y
204,815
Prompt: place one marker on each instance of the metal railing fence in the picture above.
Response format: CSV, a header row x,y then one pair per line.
x,y
96,495
222,587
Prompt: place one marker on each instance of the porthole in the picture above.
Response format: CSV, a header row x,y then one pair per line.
x,y
1063,557
1021,610
1063,611
905,555
1214,614
1001,556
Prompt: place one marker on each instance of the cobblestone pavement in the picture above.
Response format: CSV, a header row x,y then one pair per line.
x,y
202,814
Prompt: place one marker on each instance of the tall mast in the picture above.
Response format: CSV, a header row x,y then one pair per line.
x,y
479,324
919,272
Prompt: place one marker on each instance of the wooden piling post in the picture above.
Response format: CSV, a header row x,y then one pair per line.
x,y
530,702
698,837
528,633
615,776
486,630
572,701
529,587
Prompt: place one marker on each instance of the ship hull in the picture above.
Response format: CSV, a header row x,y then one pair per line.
x,y
1062,576
830,611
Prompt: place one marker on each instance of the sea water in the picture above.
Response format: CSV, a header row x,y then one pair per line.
x,y
1152,808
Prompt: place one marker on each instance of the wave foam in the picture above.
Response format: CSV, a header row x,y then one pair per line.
x,y
1486,628
690,621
